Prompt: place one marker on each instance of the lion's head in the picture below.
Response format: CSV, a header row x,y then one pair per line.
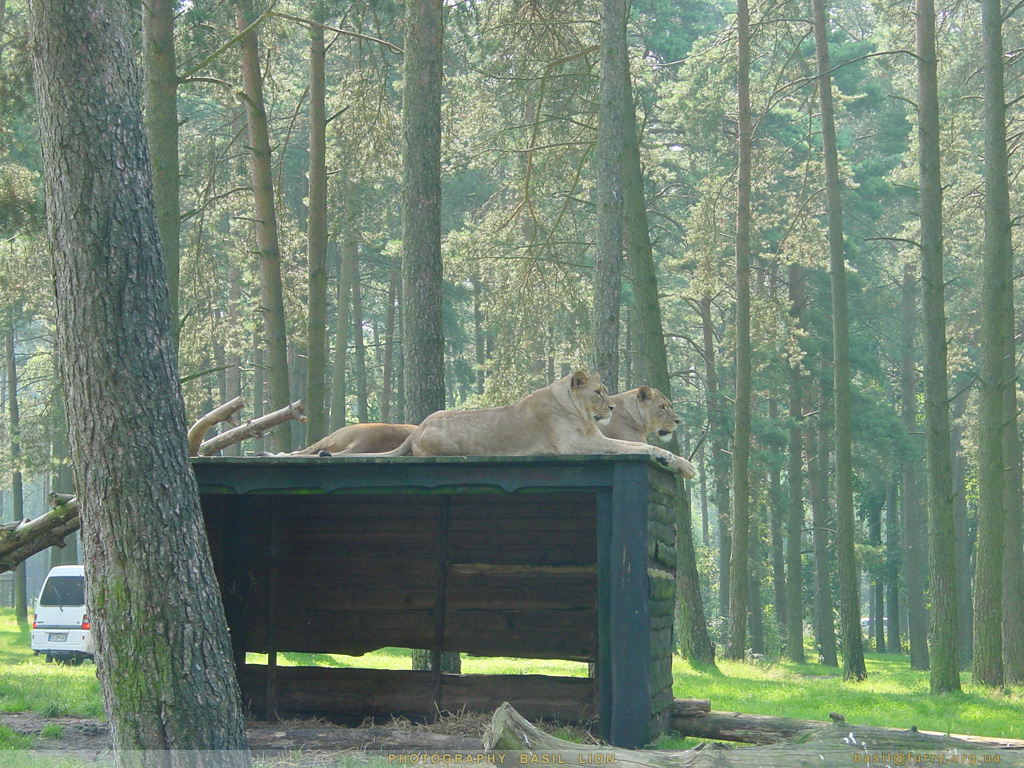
x,y
592,396
658,414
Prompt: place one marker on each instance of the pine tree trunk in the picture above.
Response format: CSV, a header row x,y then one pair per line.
x,y
945,664
346,261
316,237
17,491
796,514
719,455
654,356
162,131
965,613
878,587
607,286
359,344
914,523
739,563
388,368
163,655
423,347
271,291
849,592
817,485
892,570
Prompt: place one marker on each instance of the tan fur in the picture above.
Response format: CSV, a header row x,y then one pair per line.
x,y
561,418
639,413
360,438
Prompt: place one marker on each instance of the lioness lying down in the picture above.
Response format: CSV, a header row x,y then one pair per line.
x,y
639,413
360,438
561,418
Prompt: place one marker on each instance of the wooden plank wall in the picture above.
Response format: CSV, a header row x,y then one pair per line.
x,y
480,573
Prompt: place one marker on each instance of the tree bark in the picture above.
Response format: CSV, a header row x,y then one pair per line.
x,y
695,642
17,491
719,455
817,486
914,527
359,347
996,297
316,237
796,514
271,291
423,333
607,285
164,658
962,555
739,563
892,569
849,593
945,664
162,132
346,261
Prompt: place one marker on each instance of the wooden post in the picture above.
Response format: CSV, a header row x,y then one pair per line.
x,y
275,557
441,576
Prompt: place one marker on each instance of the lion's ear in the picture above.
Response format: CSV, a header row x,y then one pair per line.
x,y
579,380
645,394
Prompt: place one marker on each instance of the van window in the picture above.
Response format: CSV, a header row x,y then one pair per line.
x,y
63,590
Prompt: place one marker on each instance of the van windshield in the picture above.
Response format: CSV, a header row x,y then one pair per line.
x,y
63,590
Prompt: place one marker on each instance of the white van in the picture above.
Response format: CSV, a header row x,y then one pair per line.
x,y
61,627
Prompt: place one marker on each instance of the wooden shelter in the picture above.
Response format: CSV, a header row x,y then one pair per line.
x,y
567,557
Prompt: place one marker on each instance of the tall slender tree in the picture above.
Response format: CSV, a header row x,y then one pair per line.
x,y
164,658
796,514
267,246
316,236
739,566
162,131
945,664
915,525
607,286
849,595
996,333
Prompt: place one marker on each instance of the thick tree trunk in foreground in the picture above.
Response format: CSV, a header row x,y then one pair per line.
x,y
164,659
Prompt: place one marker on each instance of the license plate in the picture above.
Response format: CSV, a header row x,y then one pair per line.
x,y
58,637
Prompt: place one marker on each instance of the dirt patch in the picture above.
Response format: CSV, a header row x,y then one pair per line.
x,y
279,743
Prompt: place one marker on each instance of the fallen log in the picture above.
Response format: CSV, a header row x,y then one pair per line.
x,y
20,540
770,729
835,744
252,428
382,739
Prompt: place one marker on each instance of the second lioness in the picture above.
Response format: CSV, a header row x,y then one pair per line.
x,y
561,418
638,413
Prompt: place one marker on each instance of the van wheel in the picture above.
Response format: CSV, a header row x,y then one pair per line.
x,y
49,658
74,660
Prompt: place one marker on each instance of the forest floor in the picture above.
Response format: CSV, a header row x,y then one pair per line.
x,y
31,740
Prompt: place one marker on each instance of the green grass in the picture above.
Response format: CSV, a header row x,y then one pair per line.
x,y
893,696
28,683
